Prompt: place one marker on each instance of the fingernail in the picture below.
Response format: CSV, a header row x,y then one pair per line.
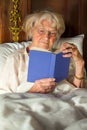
x,y
54,79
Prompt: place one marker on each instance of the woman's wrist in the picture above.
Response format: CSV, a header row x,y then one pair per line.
x,y
79,71
79,77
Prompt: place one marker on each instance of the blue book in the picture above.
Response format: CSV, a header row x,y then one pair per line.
x,y
47,65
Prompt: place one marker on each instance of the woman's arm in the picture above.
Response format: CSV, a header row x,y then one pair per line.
x,y
70,50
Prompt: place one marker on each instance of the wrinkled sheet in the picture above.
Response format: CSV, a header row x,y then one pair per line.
x,y
64,109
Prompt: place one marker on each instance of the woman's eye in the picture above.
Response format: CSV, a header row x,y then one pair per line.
x,y
53,33
41,31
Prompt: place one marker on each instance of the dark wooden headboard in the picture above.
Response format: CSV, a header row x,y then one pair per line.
x,y
74,12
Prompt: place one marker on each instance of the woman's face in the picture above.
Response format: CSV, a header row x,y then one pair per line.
x,y
43,35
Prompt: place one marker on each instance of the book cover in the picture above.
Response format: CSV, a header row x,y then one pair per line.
x,y
47,65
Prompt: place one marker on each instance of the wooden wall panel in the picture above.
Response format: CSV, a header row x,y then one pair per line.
x,y
83,23
57,5
5,8
25,9
68,8
72,19
4,20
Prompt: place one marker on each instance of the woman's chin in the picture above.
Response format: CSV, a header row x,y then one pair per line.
x,y
44,46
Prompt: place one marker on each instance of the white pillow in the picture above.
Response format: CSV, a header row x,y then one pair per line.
x,y
77,40
7,48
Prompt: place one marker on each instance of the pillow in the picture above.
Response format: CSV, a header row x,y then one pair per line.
x,y
77,40
7,48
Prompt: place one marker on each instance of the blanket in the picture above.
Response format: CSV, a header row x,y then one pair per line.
x,y
63,109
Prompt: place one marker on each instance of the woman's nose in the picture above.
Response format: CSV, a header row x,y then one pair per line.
x,y
47,34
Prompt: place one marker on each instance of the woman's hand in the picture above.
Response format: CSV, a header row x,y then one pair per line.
x,y
43,85
70,50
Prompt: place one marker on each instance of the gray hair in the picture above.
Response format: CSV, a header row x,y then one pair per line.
x,y
38,17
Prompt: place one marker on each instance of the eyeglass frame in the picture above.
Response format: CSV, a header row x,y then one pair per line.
x,y
43,31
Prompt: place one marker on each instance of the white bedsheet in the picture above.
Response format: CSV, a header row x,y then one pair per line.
x,y
65,109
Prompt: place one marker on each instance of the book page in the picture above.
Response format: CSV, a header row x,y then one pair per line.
x,y
39,49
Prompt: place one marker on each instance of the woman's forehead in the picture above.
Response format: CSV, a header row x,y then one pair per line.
x,y
46,23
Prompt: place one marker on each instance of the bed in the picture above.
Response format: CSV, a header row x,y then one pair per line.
x,y
63,109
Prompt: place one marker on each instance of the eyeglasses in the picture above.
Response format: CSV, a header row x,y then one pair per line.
x,y
42,31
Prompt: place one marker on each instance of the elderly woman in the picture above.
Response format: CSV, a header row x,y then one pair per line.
x,y
44,28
